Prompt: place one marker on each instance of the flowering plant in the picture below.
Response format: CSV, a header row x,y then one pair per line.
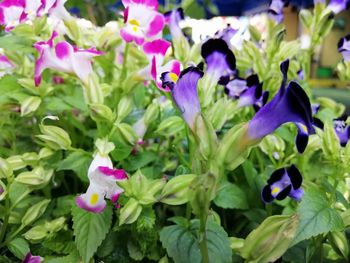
x,y
118,145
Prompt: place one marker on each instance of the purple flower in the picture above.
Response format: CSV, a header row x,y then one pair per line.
x,y
103,185
342,130
248,92
184,93
219,58
276,10
344,47
31,259
290,104
6,65
226,34
172,19
338,6
282,183
142,21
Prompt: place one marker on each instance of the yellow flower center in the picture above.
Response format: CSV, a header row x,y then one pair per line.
x,y
275,190
304,128
173,77
134,22
94,199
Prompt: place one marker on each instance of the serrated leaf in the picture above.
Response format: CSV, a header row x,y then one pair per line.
x,y
316,216
61,243
231,196
90,229
19,247
77,162
182,243
73,257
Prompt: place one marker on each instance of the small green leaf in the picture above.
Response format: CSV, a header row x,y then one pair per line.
x,y
316,216
19,247
90,229
130,212
231,196
78,162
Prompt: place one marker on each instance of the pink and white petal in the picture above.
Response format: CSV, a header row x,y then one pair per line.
x,y
159,46
64,50
92,201
130,37
32,7
126,14
153,4
140,128
116,174
58,11
173,66
114,193
155,26
99,160
82,67
154,68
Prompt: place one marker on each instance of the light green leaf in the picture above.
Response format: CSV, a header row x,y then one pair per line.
x,y
90,229
19,247
182,243
231,196
78,162
316,216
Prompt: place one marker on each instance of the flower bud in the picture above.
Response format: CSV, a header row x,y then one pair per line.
x,y
127,133
273,146
305,18
176,190
124,107
270,240
36,234
339,243
5,168
16,162
55,225
170,126
34,212
37,177
330,142
104,147
151,114
55,137
217,114
73,30
100,112
205,137
130,212
30,158
93,93
2,190
335,107
45,152
29,105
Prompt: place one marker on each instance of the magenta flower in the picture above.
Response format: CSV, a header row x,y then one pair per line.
x,y
63,57
31,259
5,65
344,48
142,21
103,185
12,13
155,52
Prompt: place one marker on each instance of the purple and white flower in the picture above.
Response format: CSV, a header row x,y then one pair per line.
x,y
64,57
248,92
220,60
31,259
103,185
290,104
12,13
172,19
276,10
282,183
342,130
184,93
344,48
155,52
142,21
6,65
337,6
227,34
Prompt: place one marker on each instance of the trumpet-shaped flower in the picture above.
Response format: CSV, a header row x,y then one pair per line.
x,y
248,92
12,13
276,10
342,130
227,34
64,57
103,185
142,21
184,92
219,58
155,52
344,48
5,66
31,259
282,183
172,19
290,104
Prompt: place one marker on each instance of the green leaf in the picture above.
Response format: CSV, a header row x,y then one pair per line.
x,y
316,216
19,247
73,257
140,160
78,162
61,243
182,243
90,229
231,196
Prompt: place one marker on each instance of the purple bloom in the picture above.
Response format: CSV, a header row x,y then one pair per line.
x,y
184,92
290,104
342,130
249,92
31,259
276,10
219,58
282,183
172,19
344,47
226,34
338,6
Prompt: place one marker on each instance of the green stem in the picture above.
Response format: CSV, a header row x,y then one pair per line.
x,y
203,239
6,221
125,60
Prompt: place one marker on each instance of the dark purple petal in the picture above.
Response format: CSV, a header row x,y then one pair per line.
x,y
253,80
297,194
236,87
284,193
317,123
276,176
302,138
344,47
295,177
266,194
226,34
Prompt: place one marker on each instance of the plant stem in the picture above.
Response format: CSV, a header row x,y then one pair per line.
x,y
125,59
203,238
6,220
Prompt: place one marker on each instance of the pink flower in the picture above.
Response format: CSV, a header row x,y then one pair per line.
x,y
31,259
12,13
103,185
63,57
142,21
155,52
5,65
